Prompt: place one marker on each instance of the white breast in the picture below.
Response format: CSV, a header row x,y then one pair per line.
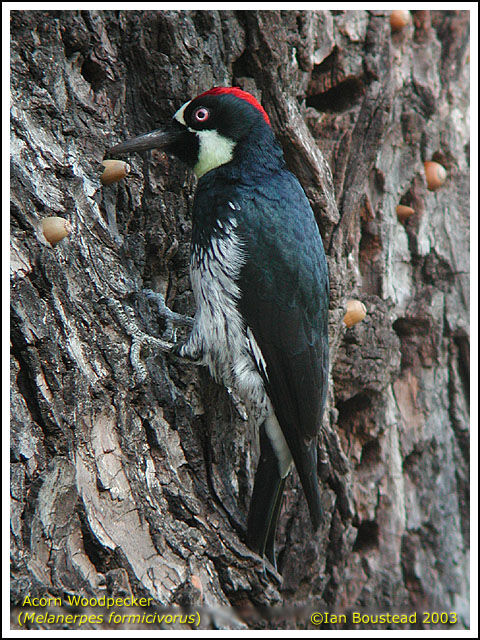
x,y
214,274
228,346
219,329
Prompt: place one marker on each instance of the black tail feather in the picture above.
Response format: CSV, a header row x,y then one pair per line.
x,y
266,501
270,544
309,479
267,496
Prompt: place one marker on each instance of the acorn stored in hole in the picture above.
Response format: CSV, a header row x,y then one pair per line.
x,y
399,19
356,312
404,212
55,229
435,175
115,170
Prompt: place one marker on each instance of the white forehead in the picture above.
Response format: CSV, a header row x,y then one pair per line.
x,y
179,114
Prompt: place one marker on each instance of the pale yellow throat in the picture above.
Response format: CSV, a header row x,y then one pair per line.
x,y
215,150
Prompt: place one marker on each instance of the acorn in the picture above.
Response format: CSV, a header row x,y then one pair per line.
x,y
115,170
404,212
435,175
55,229
399,20
356,312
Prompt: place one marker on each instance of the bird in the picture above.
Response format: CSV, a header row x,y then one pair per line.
x,y
260,281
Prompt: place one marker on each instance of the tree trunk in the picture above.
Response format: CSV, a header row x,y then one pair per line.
x,y
122,485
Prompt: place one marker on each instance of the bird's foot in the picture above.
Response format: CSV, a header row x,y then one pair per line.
x,y
188,350
172,319
126,318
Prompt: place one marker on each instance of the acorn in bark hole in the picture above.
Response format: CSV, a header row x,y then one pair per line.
x,y
55,229
115,170
404,212
435,175
356,312
399,20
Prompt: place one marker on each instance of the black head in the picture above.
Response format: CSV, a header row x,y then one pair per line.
x,y
205,131
231,112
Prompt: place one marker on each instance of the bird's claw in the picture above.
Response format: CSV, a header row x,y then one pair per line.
x,y
138,341
127,321
172,319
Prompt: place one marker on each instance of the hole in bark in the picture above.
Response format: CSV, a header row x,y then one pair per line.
x,y
353,405
370,453
339,98
413,198
408,199
326,65
445,159
93,74
241,67
324,75
352,412
436,270
367,536
412,326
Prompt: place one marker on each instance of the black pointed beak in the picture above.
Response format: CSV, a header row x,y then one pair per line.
x,y
158,139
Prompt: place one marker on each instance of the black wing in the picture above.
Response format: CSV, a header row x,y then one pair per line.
x,y
284,301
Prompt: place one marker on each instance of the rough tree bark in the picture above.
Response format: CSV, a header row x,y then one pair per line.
x,y
123,486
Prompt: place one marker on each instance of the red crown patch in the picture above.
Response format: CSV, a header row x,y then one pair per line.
x,y
239,93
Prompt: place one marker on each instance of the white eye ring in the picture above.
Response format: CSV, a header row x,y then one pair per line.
x,y
201,114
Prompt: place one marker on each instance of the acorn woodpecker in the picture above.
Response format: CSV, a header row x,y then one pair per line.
x,y
260,280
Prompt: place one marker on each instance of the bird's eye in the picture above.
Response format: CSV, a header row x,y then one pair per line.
x,y
201,114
